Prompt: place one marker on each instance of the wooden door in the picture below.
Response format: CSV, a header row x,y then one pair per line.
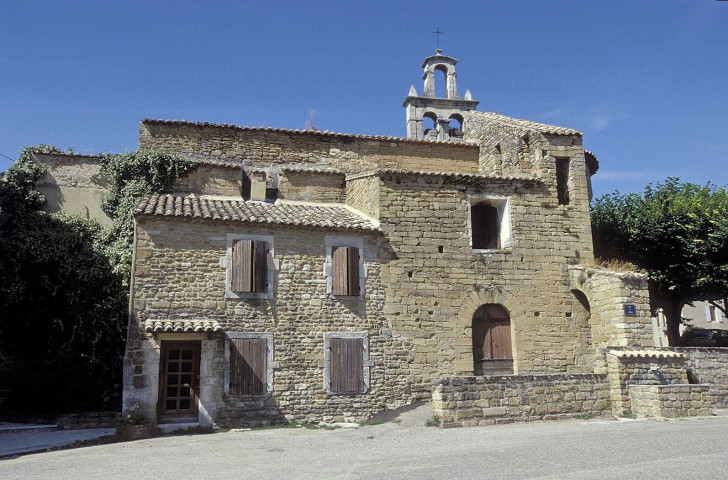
x,y
179,380
492,353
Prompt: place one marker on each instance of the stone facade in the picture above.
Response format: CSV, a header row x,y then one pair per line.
x,y
670,401
709,366
407,205
472,401
71,185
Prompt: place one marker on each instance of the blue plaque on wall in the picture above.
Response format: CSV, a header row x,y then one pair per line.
x,y
630,309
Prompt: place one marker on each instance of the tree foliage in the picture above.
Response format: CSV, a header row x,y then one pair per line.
x,y
677,232
64,284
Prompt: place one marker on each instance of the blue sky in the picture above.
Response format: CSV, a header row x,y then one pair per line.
x,y
646,81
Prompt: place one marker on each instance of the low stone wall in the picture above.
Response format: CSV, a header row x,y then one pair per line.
x,y
471,401
73,421
709,366
670,401
642,367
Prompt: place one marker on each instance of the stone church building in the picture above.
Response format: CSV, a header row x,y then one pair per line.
x,y
326,277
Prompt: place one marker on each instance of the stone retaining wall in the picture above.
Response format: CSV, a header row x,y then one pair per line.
x,y
670,401
73,421
709,366
472,401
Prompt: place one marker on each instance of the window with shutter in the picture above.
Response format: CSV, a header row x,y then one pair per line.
x,y
248,366
345,271
249,266
346,370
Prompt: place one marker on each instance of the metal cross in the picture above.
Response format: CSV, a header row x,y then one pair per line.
x,y
438,33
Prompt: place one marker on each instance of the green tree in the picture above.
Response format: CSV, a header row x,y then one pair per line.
x,y
677,233
64,283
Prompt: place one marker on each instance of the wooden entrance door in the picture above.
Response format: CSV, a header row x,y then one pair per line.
x,y
179,380
492,354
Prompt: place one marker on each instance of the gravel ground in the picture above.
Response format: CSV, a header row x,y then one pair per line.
x,y
603,449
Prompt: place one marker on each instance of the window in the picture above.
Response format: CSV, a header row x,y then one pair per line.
x,y
250,358
346,363
344,268
489,222
713,314
484,220
562,180
345,271
249,266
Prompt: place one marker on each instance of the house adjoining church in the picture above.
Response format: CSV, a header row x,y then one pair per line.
x,y
326,277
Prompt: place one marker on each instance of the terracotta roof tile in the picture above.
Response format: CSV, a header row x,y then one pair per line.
x,y
464,176
182,326
527,124
325,133
237,210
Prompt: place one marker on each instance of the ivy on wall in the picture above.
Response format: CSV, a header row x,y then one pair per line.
x,y
64,285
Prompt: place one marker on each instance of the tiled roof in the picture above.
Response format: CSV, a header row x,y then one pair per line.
x,y
517,122
646,354
591,161
237,210
312,169
182,326
324,133
464,176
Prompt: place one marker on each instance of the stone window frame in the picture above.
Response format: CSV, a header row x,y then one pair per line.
x,y
326,362
271,365
331,241
226,262
503,204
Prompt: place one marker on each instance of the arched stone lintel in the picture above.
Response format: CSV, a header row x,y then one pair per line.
x,y
488,295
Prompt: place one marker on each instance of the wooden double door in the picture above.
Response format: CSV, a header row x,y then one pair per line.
x,y
492,353
179,381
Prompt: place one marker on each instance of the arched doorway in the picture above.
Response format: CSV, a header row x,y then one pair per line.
x,y
492,352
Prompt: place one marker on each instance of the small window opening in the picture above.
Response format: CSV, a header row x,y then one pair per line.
x,y
440,81
441,249
536,314
562,180
485,226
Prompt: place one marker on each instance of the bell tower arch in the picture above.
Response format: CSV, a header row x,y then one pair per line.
x,y
429,105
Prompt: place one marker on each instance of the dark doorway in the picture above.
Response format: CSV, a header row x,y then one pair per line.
x,y
492,353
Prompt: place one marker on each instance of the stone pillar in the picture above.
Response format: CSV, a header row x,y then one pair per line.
x,y
443,125
429,78
452,88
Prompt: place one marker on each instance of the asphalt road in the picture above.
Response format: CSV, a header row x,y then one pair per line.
x,y
696,448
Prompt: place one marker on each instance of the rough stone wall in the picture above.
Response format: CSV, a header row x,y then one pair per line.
x,y
177,274
670,401
434,281
69,185
263,148
607,292
73,421
312,187
626,371
709,366
472,401
211,180
363,194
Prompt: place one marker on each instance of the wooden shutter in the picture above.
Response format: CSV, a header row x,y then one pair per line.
x,y
260,267
562,180
485,226
352,265
345,271
346,368
248,366
242,280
